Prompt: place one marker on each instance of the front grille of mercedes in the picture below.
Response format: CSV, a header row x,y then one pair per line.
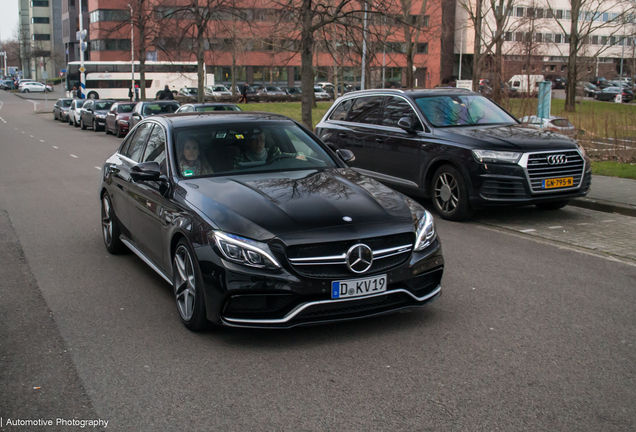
x,y
539,169
310,260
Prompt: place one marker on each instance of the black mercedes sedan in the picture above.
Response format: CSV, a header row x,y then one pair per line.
x,y
457,148
256,223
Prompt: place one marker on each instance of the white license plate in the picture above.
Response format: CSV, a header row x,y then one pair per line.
x,y
358,287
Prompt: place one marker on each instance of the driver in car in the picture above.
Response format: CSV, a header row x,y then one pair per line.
x,y
255,151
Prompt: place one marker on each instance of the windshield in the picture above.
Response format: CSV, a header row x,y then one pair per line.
x,y
242,148
219,88
79,102
192,90
67,103
271,88
99,106
128,108
462,110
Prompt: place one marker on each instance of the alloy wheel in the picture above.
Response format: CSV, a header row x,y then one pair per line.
x,y
446,192
184,283
107,221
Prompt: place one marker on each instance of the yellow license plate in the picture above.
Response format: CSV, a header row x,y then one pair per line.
x,y
558,182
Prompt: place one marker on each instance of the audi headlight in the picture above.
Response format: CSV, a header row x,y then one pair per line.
x,y
581,149
244,251
485,156
425,232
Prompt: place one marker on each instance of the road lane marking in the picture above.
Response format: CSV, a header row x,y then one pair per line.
x,y
31,136
41,140
55,147
555,227
35,104
607,221
527,230
74,156
22,131
98,168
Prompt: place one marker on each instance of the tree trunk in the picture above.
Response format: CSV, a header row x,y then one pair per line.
x,y
496,88
477,47
306,58
142,54
200,66
570,91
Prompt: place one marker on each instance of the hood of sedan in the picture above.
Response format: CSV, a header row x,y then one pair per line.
x,y
287,203
517,137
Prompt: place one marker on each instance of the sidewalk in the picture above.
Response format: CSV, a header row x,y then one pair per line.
x,y
610,194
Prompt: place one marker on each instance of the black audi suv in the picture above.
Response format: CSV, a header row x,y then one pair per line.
x,y
256,223
456,147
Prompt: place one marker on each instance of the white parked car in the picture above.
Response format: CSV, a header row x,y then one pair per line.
x,y
219,92
34,86
321,95
555,124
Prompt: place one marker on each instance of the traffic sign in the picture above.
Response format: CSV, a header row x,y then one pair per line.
x,y
82,69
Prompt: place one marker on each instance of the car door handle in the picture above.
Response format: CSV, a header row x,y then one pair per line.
x,y
342,135
379,140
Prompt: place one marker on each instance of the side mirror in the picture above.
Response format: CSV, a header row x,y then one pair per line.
x,y
135,114
347,156
148,171
406,123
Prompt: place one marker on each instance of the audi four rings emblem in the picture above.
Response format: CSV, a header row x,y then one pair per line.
x,y
359,258
559,159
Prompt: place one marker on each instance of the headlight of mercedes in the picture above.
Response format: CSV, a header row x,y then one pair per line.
x,y
425,232
485,156
244,251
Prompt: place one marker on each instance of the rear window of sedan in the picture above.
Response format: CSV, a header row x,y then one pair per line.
x,y
128,108
462,110
103,105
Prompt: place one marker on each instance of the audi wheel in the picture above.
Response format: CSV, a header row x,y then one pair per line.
x,y
450,194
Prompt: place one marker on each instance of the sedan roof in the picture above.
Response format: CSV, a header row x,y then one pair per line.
x,y
194,119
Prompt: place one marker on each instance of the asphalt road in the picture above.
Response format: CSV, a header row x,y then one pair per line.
x,y
531,333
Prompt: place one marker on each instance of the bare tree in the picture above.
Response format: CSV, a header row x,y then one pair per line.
x,y
585,20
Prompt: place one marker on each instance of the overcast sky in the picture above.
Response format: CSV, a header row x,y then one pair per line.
x,y
8,19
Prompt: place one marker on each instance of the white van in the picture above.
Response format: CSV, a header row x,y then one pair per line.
x,y
520,83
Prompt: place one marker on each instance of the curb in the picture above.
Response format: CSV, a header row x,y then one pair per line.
x,y
604,206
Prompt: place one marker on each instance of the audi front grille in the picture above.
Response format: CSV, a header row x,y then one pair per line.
x,y
556,164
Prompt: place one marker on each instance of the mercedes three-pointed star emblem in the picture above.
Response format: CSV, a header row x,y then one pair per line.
x,y
359,258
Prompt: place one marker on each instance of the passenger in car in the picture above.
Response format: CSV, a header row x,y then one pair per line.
x,y
190,162
255,151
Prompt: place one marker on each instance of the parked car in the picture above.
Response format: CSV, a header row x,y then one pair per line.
x,y
93,113
208,106
457,148
294,93
264,243
74,112
272,93
60,109
555,124
327,87
600,82
558,82
151,108
7,85
118,118
586,89
610,93
190,92
321,95
219,92
34,87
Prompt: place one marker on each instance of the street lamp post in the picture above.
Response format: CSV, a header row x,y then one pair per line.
x,y
132,55
82,70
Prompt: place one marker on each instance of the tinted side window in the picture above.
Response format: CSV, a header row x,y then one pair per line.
x,y
366,110
395,109
156,148
136,145
340,113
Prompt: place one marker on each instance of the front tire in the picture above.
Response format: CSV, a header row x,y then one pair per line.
x,y
95,125
110,227
188,287
82,125
450,194
550,206
118,133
